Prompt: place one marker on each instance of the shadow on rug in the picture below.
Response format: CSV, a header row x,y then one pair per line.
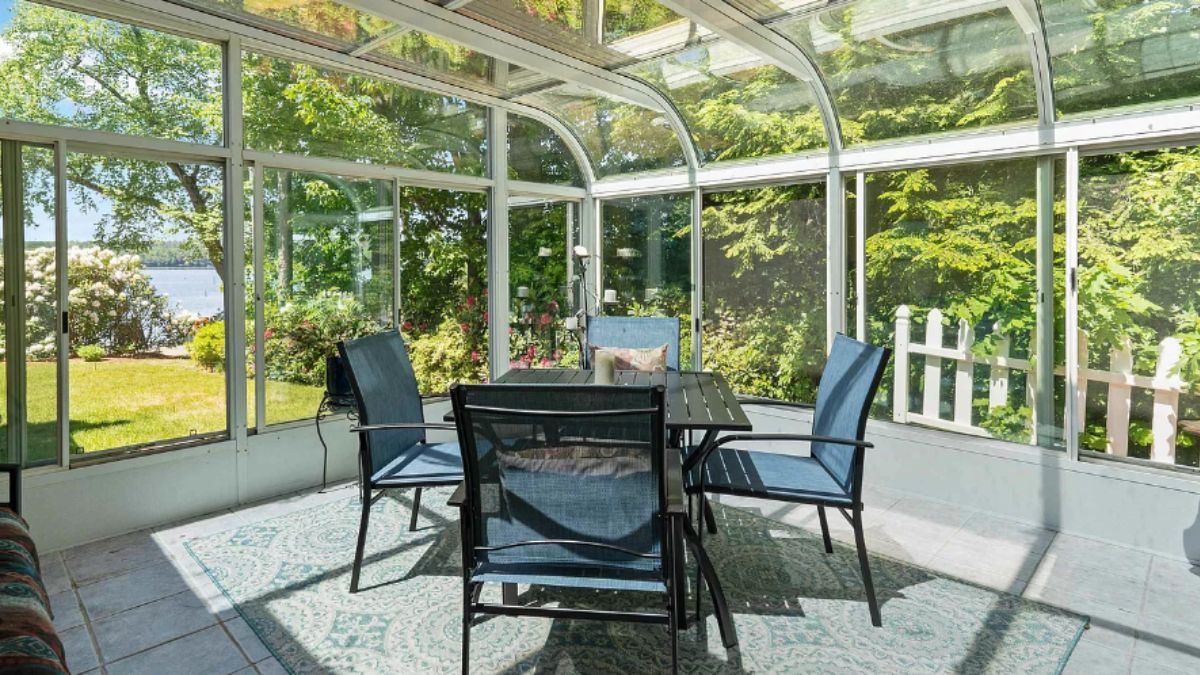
x,y
796,608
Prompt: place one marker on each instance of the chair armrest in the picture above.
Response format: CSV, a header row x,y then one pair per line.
x,y
673,475
402,425
773,402
460,495
735,438
14,486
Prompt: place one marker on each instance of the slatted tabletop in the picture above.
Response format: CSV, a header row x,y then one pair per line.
x,y
695,400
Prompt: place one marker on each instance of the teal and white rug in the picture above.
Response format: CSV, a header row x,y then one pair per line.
x,y
796,608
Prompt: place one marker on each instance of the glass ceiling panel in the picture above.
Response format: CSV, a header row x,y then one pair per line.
x,y
737,105
901,68
330,21
620,137
437,57
1122,52
630,32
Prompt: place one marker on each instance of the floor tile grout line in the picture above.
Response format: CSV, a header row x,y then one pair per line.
x,y
160,644
236,643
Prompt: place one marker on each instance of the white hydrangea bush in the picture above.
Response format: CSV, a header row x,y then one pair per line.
x,y
111,303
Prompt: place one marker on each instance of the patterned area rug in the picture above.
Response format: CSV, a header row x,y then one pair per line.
x,y
796,608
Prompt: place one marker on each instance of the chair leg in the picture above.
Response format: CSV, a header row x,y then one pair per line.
x,y
466,629
362,541
861,544
709,518
673,626
412,522
825,529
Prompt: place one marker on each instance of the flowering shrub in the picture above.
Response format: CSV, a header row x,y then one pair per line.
x,y
446,356
207,349
112,304
300,334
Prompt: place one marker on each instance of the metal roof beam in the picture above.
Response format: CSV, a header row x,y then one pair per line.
x,y
1029,16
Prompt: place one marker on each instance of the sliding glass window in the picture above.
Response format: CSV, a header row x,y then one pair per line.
x,y
443,286
145,267
952,285
1139,305
327,269
764,289
540,234
647,268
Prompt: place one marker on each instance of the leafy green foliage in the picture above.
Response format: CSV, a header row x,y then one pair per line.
x,y
91,353
301,334
207,347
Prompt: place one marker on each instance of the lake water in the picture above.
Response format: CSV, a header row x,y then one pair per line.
x,y
195,289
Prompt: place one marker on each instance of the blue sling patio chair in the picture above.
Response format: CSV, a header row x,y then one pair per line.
x,y
831,476
569,486
635,332
392,449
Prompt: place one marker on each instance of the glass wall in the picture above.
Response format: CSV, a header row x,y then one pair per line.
x,y
647,261
298,108
41,306
536,154
70,69
145,267
764,289
1139,304
540,234
952,261
443,286
328,255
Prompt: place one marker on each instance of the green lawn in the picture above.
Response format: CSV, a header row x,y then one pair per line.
x,y
121,402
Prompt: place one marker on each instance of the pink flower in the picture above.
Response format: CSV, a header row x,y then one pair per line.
x,y
553,306
470,301
464,327
510,330
407,325
475,357
485,292
268,333
546,362
531,352
545,319
485,316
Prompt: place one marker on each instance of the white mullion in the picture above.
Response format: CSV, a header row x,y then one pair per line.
x,y
835,256
63,303
860,256
697,278
235,261
1074,416
397,264
498,275
260,321
14,277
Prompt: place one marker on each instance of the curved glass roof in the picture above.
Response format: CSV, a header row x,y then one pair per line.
x,y
893,69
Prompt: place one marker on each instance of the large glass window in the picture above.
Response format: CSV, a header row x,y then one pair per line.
x,y
736,105
69,69
328,252
764,289
647,261
905,67
328,22
1139,304
537,154
620,137
443,284
144,266
41,306
302,109
1122,52
951,264
540,234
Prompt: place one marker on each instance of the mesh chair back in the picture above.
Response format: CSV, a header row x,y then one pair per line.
x,y
636,332
563,477
385,389
844,397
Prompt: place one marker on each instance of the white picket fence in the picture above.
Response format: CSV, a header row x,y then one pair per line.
x,y
1165,384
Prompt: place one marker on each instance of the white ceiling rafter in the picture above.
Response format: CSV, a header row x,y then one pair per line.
x,y
744,31
1028,14
434,20
164,14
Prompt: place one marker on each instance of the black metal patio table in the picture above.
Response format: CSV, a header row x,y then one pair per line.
x,y
696,401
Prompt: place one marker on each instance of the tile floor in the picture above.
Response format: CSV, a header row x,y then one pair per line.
x,y
139,604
